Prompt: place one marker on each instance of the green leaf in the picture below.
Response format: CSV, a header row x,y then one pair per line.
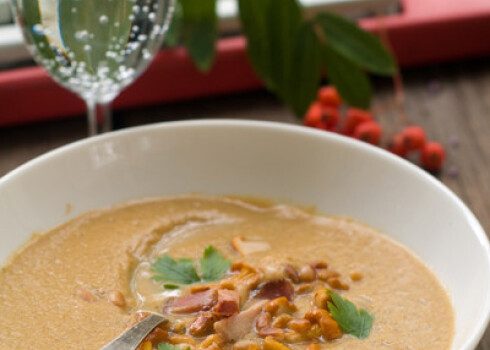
x,y
351,82
180,271
199,30
253,16
170,286
305,70
167,346
284,50
271,28
213,265
361,47
350,319
283,23
172,38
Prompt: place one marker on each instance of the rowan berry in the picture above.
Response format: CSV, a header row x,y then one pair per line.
x,y
413,137
353,118
328,96
313,116
330,118
395,145
432,156
369,132
321,117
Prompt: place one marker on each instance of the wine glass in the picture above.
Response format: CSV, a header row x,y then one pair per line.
x,y
94,48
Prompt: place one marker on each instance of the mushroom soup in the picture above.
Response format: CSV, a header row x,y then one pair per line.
x,y
228,273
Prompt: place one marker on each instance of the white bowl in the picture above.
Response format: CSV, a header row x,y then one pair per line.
x,y
300,165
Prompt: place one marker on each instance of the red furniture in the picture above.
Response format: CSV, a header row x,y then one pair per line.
x,y
426,31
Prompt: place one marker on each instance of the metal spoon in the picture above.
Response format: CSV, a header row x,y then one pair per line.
x,y
131,338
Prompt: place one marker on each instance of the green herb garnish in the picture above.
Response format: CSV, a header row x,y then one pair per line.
x,y
167,346
170,286
178,271
213,266
350,319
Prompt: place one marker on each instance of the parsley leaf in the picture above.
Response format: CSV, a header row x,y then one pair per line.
x,y
213,265
183,271
167,346
178,271
350,319
170,286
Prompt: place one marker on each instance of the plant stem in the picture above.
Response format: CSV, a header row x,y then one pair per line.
x,y
399,98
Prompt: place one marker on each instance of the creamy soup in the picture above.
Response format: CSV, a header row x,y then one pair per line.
x,y
269,280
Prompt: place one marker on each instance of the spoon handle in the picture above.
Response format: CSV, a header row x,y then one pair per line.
x,y
131,338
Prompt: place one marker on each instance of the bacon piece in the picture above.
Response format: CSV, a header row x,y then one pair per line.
x,y
237,326
201,301
275,289
228,303
203,324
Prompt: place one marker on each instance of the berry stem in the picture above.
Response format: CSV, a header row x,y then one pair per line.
x,y
399,91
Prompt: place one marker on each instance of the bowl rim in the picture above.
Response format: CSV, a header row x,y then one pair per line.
x,y
475,335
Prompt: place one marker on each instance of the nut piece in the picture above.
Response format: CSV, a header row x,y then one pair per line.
x,y
271,344
319,264
245,344
201,288
117,298
210,340
313,346
281,321
304,288
356,276
330,328
307,273
293,337
314,332
147,345
299,325
337,284
178,327
321,299
254,347
279,306
181,339
86,295
291,273
314,315
273,332
241,267
325,274
157,335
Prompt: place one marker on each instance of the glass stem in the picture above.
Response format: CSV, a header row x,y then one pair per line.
x,y
99,117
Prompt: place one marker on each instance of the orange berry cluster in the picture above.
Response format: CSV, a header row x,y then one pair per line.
x,y
325,114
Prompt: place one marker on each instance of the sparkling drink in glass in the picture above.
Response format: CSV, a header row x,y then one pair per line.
x,y
94,48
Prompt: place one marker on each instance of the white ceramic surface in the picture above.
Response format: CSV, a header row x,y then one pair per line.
x,y
300,165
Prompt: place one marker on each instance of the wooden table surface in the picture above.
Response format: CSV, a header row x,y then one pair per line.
x,y
451,101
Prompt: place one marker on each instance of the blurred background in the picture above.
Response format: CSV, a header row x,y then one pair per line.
x,y
441,47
